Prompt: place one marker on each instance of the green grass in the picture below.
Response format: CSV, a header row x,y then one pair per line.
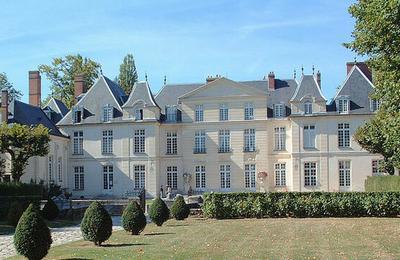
x,y
323,238
6,229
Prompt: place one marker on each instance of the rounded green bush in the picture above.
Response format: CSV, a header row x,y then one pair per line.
x,y
96,225
32,237
50,210
133,218
180,210
159,212
14,213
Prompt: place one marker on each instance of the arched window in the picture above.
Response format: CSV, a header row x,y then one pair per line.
x,y
308,108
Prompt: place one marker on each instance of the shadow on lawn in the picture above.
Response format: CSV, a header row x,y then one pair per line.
x,y
124,245
159,234
76,258
177,225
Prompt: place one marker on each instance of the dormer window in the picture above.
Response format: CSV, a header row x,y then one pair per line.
x,y
107,113
343,105
279,110
138,114
171,112
77,115
308,108
374,105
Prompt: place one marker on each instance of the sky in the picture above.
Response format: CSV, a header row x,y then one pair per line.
x,y
184,40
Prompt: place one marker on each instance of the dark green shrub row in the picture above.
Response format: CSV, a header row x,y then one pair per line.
x,y
20,189
7,201
382,183
299,204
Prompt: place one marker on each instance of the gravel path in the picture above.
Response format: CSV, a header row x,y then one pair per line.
x,y
60,236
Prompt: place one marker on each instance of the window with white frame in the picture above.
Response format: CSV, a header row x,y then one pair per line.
x,y
374,105
248,111
224,139
50,168
108,177
344,174
107,113
280,138
344,135
138,114
308,108
225,176
200,141
343,105
223,112
172,177
280,174
77,115
59,169
172,143
139,140
199,113
77,142
200,172
107,142
250,176
279,110
309,136
140,176
377,168
171,112
79,178
249,140
310,174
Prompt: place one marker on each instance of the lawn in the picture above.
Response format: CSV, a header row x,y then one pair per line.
x,y
327,238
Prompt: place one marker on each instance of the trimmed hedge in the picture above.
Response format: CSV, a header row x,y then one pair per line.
x,y
50,210
382,183
301,204
20,189
180,210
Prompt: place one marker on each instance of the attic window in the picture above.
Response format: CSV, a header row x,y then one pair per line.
x,y
171,113
308,108
107,113
374,105
343,105
77,115
138,114
279,110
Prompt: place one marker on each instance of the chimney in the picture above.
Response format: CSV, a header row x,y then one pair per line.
x,y
362,66
35,88
211,78
271,81
318,78
80,87
4,106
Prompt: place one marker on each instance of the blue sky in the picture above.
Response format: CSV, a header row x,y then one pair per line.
x,y
184,40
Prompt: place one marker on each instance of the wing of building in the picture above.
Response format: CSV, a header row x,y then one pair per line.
x,y
220,135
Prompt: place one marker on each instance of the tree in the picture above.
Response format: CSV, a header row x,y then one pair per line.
x,y
50,210
159,212
5,84
377,36
133,218
127,74
62,71
23,142
32,237
180,210
96,224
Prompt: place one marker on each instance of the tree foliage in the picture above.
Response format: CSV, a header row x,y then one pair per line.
x,y
133,218
50,210
180,210
96,224
5,84
61,73
377,36
14,213
127,74
159,212
23,142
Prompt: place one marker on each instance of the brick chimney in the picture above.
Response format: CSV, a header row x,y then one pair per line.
x,y
318,78
35,88
271,81
80,87
4,106
362,66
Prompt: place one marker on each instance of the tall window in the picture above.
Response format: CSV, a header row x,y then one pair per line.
x,y
200,171
200,141
172,177
223,112
344,174
139,141
344,135
78,142
250,176
79,178
310,174
172,143
308,108
280,174
140,176
59,169
343,105
280,138
107,113
138,114
171,112
108,177
374,105
248,111
224,141
249,140
309,136
77,115
225,176
50,168
107,142
199,113
377,168
279,110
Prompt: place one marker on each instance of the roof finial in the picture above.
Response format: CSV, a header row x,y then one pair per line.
x,y
355,59
294,73
302,69
145,76
165,80
313,69
101,71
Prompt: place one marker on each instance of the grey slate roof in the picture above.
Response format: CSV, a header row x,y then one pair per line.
x,y
141,91
308,87
284,91
55,110
169,94
116,90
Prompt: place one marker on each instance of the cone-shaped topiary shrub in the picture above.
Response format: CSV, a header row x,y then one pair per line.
x,y
96,225
50,210
14,213
32,237
133,218
179,209
159,212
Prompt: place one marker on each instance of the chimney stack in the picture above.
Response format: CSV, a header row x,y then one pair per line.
x,y
271,81
35,88
80,87
4,106
211,78
362,66
318,78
